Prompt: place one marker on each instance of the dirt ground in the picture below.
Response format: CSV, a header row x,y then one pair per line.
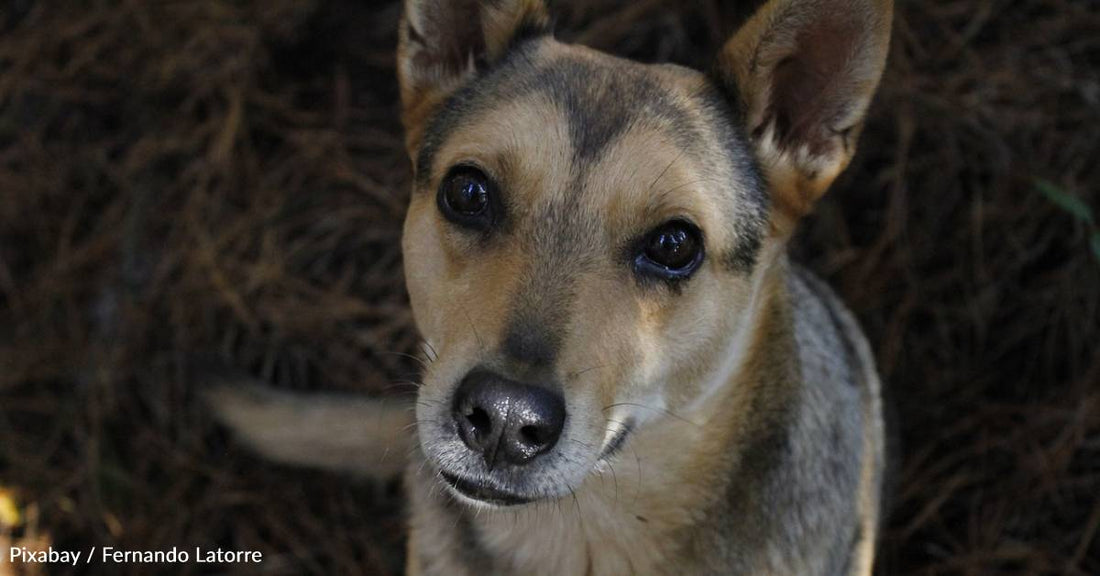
x,y
227,177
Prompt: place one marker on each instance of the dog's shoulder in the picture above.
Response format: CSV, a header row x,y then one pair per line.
x,y
839,381
838,437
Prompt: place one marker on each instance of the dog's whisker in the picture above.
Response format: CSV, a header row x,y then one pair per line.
x,y
615,481
428,346
638,464
664,411
578,442
423,363
418,424
572,375
402,384
480,344
661,196
663,172
423,403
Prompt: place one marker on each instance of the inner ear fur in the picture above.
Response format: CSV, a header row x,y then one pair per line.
x,y
804,72
442,44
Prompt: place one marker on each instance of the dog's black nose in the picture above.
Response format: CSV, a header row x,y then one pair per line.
x,y
506,421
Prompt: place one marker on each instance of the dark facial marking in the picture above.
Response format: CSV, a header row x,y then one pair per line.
x,y
742,259
558,247
459,105
721,101
723,106
531,343
602,101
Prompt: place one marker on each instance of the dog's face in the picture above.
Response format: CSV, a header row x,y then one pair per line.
x,y
583,240
586,226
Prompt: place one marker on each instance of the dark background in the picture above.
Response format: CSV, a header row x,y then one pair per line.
x,y
228,177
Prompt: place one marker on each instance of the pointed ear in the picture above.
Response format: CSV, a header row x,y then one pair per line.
x,y
805,72
442,43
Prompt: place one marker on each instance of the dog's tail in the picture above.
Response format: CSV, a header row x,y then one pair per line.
x,y
355,434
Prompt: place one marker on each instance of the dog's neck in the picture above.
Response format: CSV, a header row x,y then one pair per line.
x,y
641,509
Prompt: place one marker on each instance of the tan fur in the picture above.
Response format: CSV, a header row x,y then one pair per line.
x,y
756,443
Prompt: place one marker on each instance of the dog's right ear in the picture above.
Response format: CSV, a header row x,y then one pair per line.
x,y
442,43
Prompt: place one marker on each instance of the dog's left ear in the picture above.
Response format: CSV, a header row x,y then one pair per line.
x,y
442,43
804,72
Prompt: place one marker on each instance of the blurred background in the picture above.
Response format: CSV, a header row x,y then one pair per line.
x,y
227,177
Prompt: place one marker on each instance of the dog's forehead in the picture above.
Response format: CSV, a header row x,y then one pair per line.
x,y
580,121
601,98
600,95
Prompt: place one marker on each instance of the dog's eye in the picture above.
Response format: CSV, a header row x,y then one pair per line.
x,y
672,251
465,198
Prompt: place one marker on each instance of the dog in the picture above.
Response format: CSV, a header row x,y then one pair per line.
x,y
625,374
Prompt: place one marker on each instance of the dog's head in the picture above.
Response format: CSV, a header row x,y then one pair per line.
x,y
587,235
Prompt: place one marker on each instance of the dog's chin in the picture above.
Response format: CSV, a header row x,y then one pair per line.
x,y
480,493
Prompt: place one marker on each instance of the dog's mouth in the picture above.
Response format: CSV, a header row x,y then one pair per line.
x,y
483,493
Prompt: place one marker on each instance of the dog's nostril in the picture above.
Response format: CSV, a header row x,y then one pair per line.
x,y
533,435
480,421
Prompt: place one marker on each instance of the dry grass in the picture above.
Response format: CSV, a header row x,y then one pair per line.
x,y
224,176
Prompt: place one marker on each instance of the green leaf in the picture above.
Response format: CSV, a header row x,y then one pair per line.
x,y
1064,200
1095,243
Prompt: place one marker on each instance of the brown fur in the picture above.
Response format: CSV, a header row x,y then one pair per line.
x,y
746,395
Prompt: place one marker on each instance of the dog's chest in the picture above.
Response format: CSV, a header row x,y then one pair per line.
x,y
635,521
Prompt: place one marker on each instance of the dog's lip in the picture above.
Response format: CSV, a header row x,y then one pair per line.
x,y
482,493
